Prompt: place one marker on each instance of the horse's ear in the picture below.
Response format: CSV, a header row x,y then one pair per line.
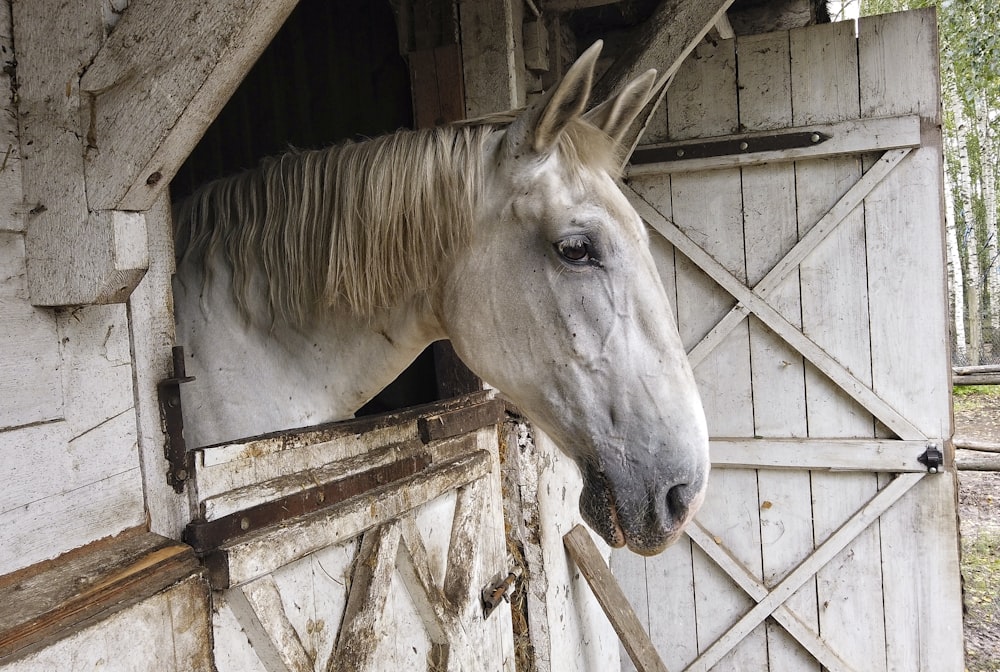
x,y
539,126
616,114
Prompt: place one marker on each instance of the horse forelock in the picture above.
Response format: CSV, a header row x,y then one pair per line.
x,y
360,225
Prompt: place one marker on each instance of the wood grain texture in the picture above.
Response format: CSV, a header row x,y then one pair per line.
x,y
155,85
633,636
75,254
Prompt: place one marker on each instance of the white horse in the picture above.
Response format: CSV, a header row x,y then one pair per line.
x,y
307,285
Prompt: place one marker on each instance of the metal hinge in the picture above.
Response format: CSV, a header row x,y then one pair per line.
x,y
173,423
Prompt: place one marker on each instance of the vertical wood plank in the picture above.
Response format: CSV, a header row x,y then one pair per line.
x,y
904,216
73,257
492,55
779,402
703,102
835,315
909,340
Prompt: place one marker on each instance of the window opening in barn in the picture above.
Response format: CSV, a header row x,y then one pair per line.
x,y
332,73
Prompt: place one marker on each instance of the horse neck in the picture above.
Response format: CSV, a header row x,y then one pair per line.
x,y
254,376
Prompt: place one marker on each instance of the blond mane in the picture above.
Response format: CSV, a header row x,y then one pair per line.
x,y
359,225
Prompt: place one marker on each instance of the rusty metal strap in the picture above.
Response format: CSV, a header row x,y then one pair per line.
x,y
206,536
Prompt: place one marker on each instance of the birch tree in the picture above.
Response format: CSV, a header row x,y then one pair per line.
x,y
970,65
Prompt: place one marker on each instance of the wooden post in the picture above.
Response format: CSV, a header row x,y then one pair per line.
x,y
611,598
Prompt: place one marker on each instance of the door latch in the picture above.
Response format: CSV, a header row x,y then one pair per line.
x,y
495,593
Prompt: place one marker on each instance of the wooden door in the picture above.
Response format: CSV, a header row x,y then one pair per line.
x,y
795,191
362,545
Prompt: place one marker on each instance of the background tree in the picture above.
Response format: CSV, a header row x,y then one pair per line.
x,y
970,74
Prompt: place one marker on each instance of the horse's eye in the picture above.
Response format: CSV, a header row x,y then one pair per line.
x,y
575,250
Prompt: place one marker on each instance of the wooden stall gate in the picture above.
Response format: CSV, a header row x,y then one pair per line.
x,y
361,545
795,186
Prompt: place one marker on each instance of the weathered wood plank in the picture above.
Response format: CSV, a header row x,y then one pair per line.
x,y
30,382
492,55
600,579
245,559
151,331
157,83
817,454
853,136
832,368
73,256
259,608
804,632
51,601
663,42
373,569
171,629
824,553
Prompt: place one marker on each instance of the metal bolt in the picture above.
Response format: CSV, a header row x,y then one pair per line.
x,y
181,474
244,523
680,152
814,137
743,146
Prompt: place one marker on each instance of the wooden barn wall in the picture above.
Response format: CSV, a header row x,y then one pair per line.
x,y
68,437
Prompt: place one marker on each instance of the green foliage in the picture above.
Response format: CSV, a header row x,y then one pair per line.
x,y
970,73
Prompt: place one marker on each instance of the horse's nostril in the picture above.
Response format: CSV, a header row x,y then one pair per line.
x,y
678,500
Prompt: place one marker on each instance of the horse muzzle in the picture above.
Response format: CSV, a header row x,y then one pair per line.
x,y
645,515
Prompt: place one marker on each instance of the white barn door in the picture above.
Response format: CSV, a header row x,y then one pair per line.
x,y
795,189
364,545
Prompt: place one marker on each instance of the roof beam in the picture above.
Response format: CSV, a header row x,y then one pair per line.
x,y
157,83
662,42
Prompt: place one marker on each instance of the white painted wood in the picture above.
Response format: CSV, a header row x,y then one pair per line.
x,y
163,75
771,228
832,368
825,552
151,328
903,220
913,202
492,56
830,454
98,491
258,608
580,637
853,136
75,256
780,651
30,382
168,632
815,456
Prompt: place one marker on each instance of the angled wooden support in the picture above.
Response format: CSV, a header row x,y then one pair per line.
x,y
754,300
663,42
768,602
612,600
158,82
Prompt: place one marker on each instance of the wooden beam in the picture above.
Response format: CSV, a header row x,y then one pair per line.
x,y
74,255
51,600
847,137
663,42
884,455
492,56
823,554
249,558
161,78
612,600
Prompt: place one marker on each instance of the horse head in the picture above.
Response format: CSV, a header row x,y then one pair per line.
x,y
556,301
